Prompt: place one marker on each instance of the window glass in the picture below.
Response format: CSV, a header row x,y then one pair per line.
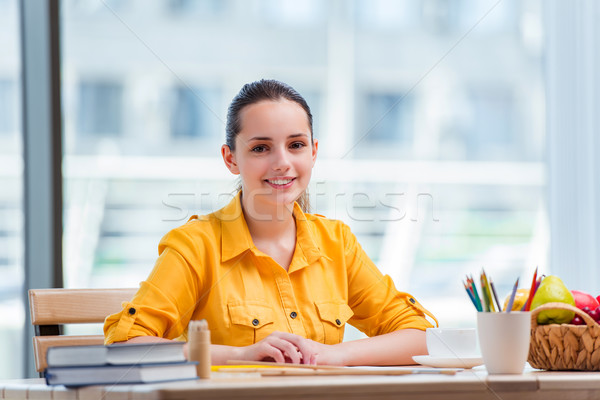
x,y
190,113
8,107
386,128
11,196
100,108
428,116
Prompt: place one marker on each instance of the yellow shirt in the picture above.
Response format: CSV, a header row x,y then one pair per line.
x,y
210,269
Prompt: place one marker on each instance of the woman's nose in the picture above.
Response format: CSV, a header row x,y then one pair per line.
x,y
281,161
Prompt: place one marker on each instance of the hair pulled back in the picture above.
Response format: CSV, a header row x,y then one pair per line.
x,y
254,92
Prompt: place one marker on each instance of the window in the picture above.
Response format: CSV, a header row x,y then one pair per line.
x,y
388,121
100,108
193,115
8,106
388,14
196,8
493,126
12,308
430,137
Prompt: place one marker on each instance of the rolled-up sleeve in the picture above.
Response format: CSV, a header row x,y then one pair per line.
x,y
378,306
165,302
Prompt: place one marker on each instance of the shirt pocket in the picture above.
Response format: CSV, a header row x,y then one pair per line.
x,y
250,322
334,316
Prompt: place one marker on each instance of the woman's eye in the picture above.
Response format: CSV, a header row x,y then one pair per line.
x,y
297,145
258,149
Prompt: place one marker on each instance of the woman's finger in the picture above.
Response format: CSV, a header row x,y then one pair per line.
x,y
288,348
267,350
304,346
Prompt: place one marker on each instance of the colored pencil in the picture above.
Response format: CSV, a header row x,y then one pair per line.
x,y
512,297
532,295
531,291
496,296
474,288
486,299
537,285
488,291
471,296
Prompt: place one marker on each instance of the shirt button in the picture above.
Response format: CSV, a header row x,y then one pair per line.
x,y
337,321
255,322
412,300
293,315
131,311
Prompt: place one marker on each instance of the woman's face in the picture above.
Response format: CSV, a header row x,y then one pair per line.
x,y
274,154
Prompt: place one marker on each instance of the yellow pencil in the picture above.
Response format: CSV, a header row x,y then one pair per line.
x,y
484,293
488,290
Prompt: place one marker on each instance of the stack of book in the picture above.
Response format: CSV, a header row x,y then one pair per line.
x,y
76,366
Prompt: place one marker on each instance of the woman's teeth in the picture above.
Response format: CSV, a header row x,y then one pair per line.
x,y
280,181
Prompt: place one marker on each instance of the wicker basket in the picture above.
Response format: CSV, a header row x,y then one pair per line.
x,y
565,346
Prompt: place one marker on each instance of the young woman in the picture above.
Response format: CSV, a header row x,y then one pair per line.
x,y
273,282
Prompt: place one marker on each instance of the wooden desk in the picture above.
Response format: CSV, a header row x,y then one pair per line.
x,y
469,384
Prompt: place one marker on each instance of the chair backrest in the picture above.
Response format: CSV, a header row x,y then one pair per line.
x,y
52,308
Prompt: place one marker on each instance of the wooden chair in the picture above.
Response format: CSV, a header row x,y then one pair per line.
x,y
52,308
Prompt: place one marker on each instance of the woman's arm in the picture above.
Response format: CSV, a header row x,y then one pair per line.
x,y
394,348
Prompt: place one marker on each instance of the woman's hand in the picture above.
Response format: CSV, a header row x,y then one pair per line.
x,y
284,347
281,347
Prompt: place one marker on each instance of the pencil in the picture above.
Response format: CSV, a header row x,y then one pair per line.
x,y
531,291
488,291
537,285
495,296
486,299
474,289
512,297
471,296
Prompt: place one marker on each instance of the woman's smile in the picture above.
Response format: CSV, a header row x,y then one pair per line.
x,y
280,182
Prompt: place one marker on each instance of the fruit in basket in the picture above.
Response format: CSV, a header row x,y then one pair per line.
x,y
583,299
552,289
520,299
595,313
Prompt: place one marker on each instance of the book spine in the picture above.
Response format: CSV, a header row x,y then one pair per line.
x,y
199,347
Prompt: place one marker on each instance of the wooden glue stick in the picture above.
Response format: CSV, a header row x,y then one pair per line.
x,y
199,347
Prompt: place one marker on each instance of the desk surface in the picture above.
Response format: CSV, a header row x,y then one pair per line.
x,y
468,384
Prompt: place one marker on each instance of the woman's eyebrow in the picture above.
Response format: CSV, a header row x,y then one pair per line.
x,y
266,138
297,135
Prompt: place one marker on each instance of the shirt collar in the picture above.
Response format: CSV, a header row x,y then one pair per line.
x,y
236,239
307,250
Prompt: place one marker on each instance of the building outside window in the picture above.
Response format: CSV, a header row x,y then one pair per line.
x,y
100,108
415,134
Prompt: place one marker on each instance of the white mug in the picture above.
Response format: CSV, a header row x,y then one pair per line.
x,y
452,342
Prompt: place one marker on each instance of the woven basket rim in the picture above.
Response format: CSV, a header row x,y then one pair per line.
x,y
562,306
564,347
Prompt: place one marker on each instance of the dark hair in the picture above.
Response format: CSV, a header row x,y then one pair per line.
x,y
251,93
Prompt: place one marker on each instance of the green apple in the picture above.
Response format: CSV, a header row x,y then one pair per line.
x,y
552,289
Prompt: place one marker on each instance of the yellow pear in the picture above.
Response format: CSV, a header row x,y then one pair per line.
x,y
552,289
